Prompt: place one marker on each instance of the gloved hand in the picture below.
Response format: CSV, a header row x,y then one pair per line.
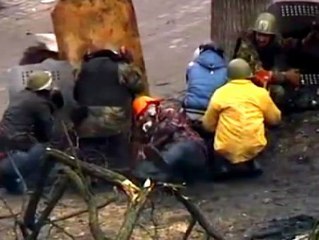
x,y
57,98
262,78
289,43
292,76
311,39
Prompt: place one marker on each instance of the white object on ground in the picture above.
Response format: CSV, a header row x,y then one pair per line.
x,y
48,39
47,1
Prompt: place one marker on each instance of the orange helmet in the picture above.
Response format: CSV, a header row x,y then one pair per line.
x,y
140,104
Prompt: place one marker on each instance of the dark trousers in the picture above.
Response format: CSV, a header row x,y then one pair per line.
x,y
179,162
186,159
20,163
222,169
117,150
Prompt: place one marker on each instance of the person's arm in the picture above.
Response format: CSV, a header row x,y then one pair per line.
x,y
211,116
43,121
271,112
131,76
247,52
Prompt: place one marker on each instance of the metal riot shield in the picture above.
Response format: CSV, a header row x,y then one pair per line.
x,y
83,24
62,74
297,19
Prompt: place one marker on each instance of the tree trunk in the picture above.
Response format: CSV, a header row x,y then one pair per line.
x,y
230,17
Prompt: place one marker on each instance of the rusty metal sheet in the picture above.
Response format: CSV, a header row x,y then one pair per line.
x,y
81,25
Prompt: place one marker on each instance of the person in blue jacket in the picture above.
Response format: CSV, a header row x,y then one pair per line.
x,y
205,74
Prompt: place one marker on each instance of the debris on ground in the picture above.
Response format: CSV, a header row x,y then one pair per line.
x,y
290,228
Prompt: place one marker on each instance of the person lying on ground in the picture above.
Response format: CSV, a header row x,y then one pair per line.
x,y
174,152
25,130
104,90
237,114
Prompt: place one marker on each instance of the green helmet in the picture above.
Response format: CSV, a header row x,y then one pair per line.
x,y
39,80
266,23
239,69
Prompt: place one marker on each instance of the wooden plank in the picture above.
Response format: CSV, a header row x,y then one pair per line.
x,y
81,25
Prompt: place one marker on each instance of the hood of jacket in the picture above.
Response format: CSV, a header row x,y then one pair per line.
x,y
210,60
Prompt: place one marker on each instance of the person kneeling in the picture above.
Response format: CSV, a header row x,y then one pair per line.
x,y
236,113
173,151
26,129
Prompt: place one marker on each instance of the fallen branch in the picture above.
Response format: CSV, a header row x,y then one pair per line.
x,y
133,212
96,231
189,229
15,216
29,215
128,187
196,214
62,230
56,196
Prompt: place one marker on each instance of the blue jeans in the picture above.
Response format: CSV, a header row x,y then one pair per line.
x,y
187,159
27,164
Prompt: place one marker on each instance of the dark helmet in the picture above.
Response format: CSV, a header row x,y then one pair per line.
x,y
239,69
40,80
266,24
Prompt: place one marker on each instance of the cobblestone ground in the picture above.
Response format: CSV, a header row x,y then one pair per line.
x,y
13,10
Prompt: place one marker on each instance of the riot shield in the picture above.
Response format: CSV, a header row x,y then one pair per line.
x,y
62,74
83,24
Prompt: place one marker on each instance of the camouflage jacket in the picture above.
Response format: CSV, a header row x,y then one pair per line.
x,y
105,108
272,58
171,126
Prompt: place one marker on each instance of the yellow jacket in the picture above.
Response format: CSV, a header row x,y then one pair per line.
x,y
236,113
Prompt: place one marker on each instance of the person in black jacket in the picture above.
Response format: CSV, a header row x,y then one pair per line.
x,y
105,88
25,130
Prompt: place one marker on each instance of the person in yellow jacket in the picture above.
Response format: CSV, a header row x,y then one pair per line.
x,y
237,114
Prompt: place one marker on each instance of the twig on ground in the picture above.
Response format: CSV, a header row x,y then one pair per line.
x,y
153,219
109,200
14,216
62,230
134,210
125,184
198,215
189,229
56,196
90,201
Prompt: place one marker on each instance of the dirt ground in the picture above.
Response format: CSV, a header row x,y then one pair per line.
x,y
289,187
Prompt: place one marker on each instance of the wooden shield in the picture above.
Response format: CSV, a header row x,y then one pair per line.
x,y
81,25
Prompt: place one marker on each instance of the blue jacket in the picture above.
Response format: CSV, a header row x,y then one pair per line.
x,y
204,76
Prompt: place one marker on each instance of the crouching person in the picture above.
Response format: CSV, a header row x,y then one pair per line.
x,y
173,151
25,129
105,88
236,114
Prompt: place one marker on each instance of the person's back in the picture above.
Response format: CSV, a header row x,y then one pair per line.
x,y
237,113
205,74
106,88
25,130
241,120
19,117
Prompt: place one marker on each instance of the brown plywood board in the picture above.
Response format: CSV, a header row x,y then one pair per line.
x,y
81,25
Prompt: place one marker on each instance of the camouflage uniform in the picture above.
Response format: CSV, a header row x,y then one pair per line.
x,y
105,89
270,58
108,118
